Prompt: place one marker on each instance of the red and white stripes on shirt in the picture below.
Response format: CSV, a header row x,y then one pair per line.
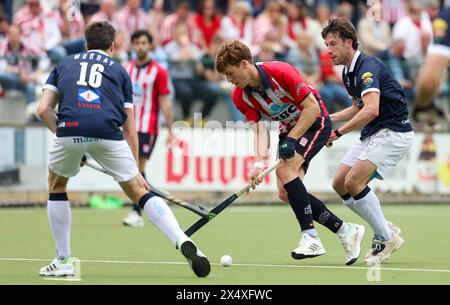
x,y
150,81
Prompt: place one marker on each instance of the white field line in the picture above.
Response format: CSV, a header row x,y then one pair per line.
x,y
239,265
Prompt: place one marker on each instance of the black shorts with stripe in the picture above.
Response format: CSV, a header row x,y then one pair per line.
x,y
313,140
146,144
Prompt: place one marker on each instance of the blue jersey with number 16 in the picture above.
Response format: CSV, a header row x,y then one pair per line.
x,y
93,94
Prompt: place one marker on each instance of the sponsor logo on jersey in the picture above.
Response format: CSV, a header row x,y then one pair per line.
x,y
67,124
278,93
366,75
89,96
367,81
85,140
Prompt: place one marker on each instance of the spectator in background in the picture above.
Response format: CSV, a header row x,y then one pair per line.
x,y
238,24
374,35
207,72
207,21
41,29
393,58
299,22
4,26
106,13
183,56
16,70
323,13
332,90
272,22
183,15
258,6
416,30
267,51
432,7
130,18
392,10
71,23
303,56
6,8
345,10
157,15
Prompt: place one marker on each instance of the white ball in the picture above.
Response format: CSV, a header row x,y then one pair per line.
x,y
226,260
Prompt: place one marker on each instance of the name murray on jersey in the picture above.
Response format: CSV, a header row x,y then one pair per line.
x,y
95,56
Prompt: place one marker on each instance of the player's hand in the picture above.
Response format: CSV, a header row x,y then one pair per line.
x,y
286,148
171,140
254,180
83,161
333,137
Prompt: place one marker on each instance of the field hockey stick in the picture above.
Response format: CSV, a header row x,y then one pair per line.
x,y
199,210
221,206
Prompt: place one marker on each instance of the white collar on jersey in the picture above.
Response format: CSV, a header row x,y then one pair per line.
x,y
352,65
99,51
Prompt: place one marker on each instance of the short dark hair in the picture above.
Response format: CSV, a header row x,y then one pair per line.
x,y
343,28
139,33
99,36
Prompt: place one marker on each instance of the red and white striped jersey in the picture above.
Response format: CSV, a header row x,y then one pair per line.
x,y
280,98
150,81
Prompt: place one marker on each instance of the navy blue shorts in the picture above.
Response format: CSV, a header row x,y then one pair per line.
x,y
146,144
313,140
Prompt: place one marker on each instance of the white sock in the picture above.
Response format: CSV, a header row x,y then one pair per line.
x,y
60,219
343,229
369,208
162,217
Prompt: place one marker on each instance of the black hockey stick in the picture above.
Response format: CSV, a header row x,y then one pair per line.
x,y
221,206
197,209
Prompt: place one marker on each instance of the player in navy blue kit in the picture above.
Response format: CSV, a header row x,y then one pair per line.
x,y
436,62
94,98
380,109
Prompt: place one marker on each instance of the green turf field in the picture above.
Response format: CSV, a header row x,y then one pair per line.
x,y
258,238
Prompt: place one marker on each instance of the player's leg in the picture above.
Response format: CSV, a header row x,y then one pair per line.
x,y
292,188
344,168
117,159
146,145
384,150
350,234
64,162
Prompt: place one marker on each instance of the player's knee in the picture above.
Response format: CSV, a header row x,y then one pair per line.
x,y
56,184
352,184
338,185
285,174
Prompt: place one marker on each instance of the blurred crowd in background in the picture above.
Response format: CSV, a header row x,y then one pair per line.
x,y
35,35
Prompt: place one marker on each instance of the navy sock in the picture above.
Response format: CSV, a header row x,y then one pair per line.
x,y
136,206
299,201
323,215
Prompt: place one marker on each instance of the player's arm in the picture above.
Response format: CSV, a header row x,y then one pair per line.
x,y
46,109
345,114
367,113
429,78
261,141
310,112
167,110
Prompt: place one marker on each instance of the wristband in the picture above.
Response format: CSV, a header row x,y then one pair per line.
x,y
337,133
258,165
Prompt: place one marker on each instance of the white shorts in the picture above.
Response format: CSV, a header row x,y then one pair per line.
x,y
115,156
384,149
